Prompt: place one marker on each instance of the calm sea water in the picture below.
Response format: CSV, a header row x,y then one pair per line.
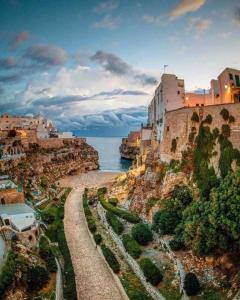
x,y
109,156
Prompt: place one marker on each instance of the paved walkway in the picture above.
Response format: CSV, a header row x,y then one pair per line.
x,y
94,280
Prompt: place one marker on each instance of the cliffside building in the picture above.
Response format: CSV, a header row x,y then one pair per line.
x,y
170,95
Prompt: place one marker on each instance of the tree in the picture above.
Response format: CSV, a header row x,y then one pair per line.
x,y
191,284
195,117
183,194
142,234
225,114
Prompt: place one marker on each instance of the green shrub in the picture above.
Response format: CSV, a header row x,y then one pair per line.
x,y
102,191
131,246
191,284
208,119
231,119
225,114
150,271
174,145
183,194
46,254
36,278
215,132
226,131
165,221
7,273
176,245
195,117
91,224
133,287
97,238
142,233
110,258
113,201
113,221
132,218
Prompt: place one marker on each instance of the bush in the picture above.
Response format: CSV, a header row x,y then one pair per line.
x,y
150,271
132,218
191,284
7,273
131,246
88,214
183,194
113,221
97,238
231,119
142,234
113,201
46,254
174,145
225,114
133,287
102,191
91,224
36,278
195,117
111,259
226,131
208,119
215,132
165,221
176,245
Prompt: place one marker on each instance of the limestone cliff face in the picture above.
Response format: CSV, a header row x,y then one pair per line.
x,y
129,152
52,164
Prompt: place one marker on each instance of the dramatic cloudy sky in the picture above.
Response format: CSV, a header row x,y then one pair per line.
x,y
93,65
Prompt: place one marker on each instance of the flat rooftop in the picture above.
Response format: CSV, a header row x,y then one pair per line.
x,y
15,209
7,184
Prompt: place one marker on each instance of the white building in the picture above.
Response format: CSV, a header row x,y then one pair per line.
x,y
169,95
65,135
19,216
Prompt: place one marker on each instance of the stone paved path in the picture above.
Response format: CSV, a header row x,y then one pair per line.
x,y
94,280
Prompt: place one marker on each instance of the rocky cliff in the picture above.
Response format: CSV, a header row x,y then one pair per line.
x,y
128,151
48,165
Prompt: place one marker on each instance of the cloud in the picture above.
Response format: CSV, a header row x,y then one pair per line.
x,y
199,25
237,14
46,55
8,62
68,99
184,7
156,20
13,78
111,63
20,38
115,65
105,7
107,22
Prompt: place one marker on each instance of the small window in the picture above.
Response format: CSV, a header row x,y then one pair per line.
x,y
197,104
231,76
167,128
178,92
7,222
237,80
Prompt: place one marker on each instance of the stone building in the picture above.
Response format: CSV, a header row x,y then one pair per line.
x,y
10,193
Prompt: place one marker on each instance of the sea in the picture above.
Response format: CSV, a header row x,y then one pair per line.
x,y
109,156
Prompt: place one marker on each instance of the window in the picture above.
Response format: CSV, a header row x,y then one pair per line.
x,y
7,222
237,80
167,128
178,92
230,76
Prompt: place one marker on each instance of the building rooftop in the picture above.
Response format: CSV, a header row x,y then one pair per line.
x,y
21,215
15,209
7,184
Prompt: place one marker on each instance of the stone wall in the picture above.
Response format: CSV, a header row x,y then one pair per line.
x,y
11,196
178,125
51,143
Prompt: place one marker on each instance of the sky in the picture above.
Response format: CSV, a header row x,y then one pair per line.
x,y
93,66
